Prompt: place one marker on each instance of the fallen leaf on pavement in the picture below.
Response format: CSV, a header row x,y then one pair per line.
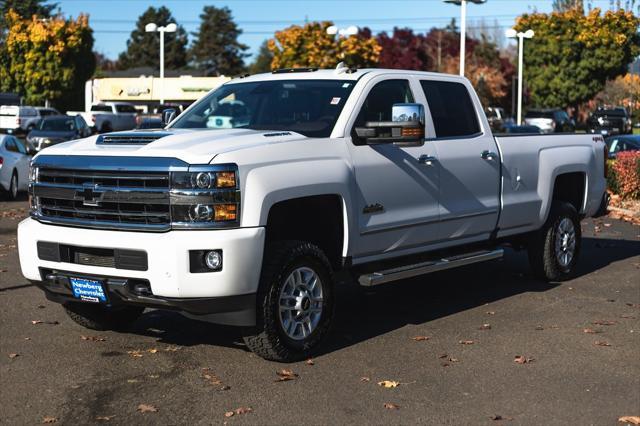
x,y
491,312
420,338
389,384
539,327
602,343
135,354
485,327
519,359
14,355
453,360
634,420
238,411
146,408
152,351
443,356
498,417
309,362
365,379
627,316
391,406
285,375
172,348
633,305
604,322
34,322
93,338
466,342
591,331
105,418
132,380
49,419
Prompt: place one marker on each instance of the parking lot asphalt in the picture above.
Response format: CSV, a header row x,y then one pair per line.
x,y
449,341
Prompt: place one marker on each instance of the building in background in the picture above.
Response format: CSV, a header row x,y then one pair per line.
x,y
145,91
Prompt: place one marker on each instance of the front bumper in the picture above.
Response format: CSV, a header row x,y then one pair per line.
x,y
168,268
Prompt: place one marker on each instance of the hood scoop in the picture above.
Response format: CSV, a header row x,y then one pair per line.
x,y
130,138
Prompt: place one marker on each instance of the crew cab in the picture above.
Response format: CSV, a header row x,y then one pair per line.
x,y
109,116
371,174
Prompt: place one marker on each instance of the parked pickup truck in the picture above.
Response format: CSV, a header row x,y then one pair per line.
x,y
109,116
378,175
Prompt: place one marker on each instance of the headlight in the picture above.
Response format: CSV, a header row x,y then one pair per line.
x,y
203,179
205,197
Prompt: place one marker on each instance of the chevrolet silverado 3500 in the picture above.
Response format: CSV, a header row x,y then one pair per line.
x,y
245,208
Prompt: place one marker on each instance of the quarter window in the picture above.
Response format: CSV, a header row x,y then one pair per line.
x,y
452,111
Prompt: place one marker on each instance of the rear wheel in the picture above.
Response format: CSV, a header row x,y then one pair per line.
x,y
555,248
98,317
295,302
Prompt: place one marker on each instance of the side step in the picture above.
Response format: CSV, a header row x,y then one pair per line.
x,y
409,271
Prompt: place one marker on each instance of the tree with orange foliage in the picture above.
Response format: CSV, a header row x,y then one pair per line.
x,y
311,46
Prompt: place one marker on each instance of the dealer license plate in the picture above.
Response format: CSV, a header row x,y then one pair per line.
x,y
88,290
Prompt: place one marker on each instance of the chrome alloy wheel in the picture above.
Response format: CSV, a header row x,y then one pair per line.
x,y
565,247
301,303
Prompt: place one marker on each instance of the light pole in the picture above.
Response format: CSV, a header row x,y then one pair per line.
x,y
463,26
511,33
169,28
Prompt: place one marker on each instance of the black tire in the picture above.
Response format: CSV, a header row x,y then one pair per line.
x,y
106,128
12,192
268,339
544,259
98,317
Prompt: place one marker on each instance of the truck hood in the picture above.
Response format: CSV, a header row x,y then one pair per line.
x,y
192,146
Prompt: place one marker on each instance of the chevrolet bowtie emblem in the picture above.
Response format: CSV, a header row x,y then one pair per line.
x,y
90,195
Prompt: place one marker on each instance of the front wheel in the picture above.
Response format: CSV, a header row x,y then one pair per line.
x,y
554,249
295,302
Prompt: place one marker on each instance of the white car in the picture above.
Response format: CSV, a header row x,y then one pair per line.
x,y
14,166
22,119
109,116
250,225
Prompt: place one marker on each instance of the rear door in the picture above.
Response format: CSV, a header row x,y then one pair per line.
x,y
468,158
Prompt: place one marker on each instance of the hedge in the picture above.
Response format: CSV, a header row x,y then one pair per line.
x,y
624,175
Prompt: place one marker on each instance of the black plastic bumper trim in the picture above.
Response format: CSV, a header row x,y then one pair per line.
x,y
237,310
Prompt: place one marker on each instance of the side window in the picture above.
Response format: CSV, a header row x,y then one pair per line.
x,y
452,111
10,144
377,106
21,149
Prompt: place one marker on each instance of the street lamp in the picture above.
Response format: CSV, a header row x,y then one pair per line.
x,y
463,26
349,31
169,28
511,33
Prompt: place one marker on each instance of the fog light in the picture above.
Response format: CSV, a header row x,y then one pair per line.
x,y
213,260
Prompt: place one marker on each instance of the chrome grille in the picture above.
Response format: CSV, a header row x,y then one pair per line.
x,y
104,198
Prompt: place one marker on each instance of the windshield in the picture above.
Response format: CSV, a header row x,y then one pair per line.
x,y
58,124
539,114
308,107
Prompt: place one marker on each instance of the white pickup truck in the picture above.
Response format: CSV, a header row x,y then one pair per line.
x,y
109,116
374,174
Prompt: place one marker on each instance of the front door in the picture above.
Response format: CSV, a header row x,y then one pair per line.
x,y
397,191
469,163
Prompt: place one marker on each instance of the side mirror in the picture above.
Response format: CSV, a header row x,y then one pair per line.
x,y
167,116
406,126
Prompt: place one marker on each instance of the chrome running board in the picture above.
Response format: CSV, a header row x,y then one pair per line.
x,y
409,271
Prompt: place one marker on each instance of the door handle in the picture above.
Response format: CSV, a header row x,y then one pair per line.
x,y
488,155
427,160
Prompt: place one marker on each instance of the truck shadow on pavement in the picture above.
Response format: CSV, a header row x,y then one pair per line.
x,y
365,313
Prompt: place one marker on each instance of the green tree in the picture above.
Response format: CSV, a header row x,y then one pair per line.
x,y
26,9
572,55
262,62
47,60
143,48
216,49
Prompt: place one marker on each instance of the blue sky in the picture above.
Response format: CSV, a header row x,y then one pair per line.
x,y
113,20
